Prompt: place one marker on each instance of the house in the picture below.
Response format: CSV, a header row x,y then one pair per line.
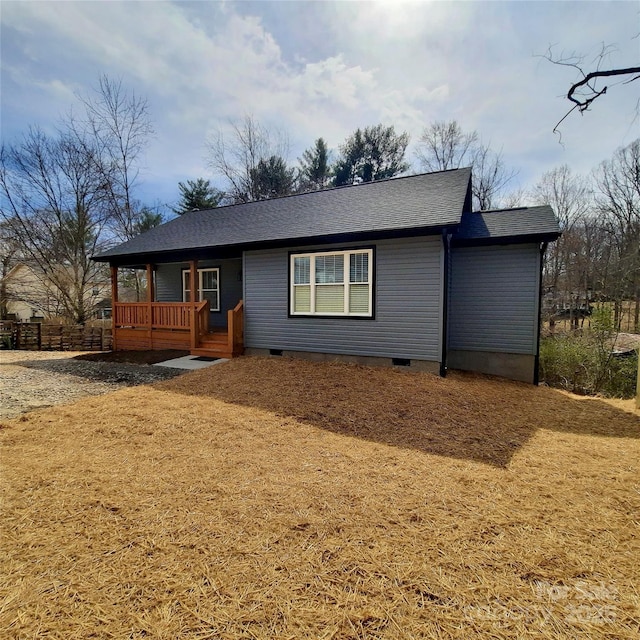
x,y
27,294
23,297
398,271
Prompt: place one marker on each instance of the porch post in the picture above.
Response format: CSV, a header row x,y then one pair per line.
x,y
151,285
150,297
114,302
193,288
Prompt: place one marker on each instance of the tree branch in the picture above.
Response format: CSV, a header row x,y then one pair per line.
x,y
584,92
583,105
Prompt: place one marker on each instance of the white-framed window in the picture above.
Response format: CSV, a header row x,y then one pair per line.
x,y
208,286
332,283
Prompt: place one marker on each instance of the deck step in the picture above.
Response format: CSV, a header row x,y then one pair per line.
x,y
216,336
215,345
211,353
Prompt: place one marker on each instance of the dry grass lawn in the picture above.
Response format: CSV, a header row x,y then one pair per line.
x,y
273,498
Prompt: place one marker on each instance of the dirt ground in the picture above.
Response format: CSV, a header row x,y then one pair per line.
x,y
268,498
132,357
37,379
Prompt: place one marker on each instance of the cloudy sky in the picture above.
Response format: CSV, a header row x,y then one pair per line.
x,y
316,69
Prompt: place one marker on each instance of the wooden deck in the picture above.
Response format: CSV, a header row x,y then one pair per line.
x,y
141,326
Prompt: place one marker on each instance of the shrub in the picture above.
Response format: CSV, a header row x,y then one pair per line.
x,y
584,363
621,377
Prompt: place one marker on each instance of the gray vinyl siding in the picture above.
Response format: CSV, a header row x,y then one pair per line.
x,y
493,302
407,305
169,285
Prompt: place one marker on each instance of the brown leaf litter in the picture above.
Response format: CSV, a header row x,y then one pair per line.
x,y
274,498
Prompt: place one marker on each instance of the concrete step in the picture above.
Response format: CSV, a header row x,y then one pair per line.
x,y
211,353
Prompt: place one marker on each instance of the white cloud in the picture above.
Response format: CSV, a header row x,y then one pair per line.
x,y
406,64
333,83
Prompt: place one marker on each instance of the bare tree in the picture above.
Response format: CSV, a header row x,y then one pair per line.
x,y
514,199
65,196
490,178
584,91
568,266
237,157
443,146
618,205
118,123
9,257
54,202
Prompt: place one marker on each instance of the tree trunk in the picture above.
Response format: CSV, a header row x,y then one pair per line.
x,y
617,314
4,300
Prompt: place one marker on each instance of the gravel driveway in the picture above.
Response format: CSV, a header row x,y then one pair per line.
x,y
37,379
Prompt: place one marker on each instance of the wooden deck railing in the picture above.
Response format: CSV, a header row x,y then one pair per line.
x,y
171,316
235,329
191,321
131,314
161,315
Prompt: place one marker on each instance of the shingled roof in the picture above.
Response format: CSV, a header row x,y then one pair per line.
x,y
421,202
521,224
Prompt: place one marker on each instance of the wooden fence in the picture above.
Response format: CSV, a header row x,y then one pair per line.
x,y
35,336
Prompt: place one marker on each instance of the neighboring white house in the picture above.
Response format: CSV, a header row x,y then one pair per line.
x,y
30,295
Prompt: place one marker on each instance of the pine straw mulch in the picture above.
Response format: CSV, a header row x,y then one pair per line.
x,y
273,498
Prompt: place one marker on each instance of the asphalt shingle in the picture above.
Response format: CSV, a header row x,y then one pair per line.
x,y
422,201
508,223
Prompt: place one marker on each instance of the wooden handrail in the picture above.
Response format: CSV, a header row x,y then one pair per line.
x,y
235,329
202,320
239,306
